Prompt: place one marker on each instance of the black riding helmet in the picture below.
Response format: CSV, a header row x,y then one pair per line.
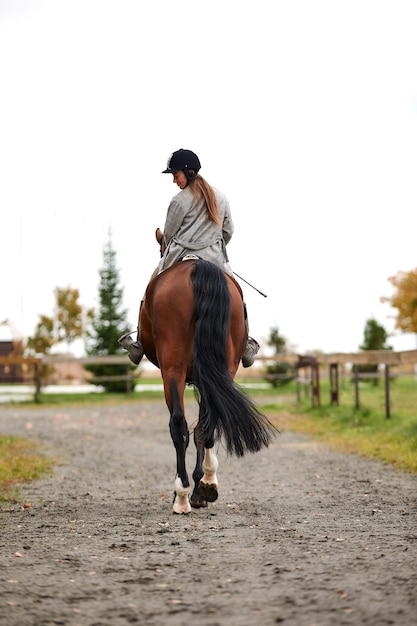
x,y
184,160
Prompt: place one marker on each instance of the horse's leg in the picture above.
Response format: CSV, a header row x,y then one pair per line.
x,y
205,477
180,437
196,500
208,486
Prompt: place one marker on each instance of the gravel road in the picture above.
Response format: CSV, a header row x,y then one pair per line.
x,y
301,535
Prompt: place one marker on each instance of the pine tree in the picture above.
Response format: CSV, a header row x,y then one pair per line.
x,y
109,322
280,373
374,338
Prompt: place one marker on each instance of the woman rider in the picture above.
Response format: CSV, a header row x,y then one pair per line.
x,y
198,222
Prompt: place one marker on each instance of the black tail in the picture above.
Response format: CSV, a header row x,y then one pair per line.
x,y
227,412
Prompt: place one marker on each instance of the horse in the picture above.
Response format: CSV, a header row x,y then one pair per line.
x,y
192,327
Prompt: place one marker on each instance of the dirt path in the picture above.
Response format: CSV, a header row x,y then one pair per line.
x,y
301,535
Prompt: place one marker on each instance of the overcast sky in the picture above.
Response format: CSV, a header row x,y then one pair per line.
x,y
304,113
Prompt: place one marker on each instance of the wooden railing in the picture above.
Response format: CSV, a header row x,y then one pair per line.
x,y
310,364
313,365
35,364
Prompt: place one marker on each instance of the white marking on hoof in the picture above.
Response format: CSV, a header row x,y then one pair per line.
x,y
210,466
182,498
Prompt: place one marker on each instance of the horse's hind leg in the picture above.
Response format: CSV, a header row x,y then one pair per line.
x,y
208,486
196,500
204,475
180,437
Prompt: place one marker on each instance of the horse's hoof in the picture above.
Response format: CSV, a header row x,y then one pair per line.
x,y
208,491
185,512
181,507
197,502
181,504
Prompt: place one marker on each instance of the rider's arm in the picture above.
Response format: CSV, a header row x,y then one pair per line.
x,y
228,227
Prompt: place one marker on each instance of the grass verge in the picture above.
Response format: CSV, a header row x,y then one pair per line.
x,y
20,462
366,430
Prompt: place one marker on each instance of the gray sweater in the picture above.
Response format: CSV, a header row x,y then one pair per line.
x,y
189,230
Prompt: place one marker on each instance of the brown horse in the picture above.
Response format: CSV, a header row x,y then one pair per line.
x,y
193,328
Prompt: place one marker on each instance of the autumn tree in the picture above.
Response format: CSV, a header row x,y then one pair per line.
x,y
41,342
69,322
72,318
404,300
43,338
109,322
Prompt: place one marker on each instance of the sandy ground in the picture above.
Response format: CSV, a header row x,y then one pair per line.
x,y
300,535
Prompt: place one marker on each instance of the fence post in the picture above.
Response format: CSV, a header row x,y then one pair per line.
x,y
356,378
315,382
298,390
37,381
387,392
334,384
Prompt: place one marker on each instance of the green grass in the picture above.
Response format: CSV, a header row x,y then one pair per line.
x,y
366,430
20,462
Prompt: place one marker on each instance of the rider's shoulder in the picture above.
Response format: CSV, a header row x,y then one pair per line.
x,y
183,197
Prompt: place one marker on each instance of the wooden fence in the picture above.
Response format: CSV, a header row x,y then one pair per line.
x,y
34,365
309,366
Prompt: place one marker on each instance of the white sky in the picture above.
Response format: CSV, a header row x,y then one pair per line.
x,y
304,113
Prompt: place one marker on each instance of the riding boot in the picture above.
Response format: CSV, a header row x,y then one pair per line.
x,y
251,350
252,346
134,348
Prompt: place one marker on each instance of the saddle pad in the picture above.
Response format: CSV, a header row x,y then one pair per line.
x,y
189,257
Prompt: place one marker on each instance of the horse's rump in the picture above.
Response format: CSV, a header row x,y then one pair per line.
x,y
168,317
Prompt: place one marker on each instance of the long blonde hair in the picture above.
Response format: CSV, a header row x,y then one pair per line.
x,y
199,186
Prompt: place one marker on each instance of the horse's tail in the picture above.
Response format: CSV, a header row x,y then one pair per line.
x,y
226,411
